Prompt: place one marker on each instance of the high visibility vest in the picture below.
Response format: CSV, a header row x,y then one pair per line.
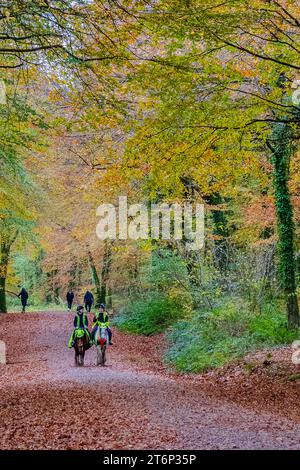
x,y
105,319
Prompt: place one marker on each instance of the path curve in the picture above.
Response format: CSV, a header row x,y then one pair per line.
x,y
48,403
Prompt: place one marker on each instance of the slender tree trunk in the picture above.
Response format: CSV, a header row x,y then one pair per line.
x,y
55,287
220,231
95,278
72,277
4,260
49,288
78,275
109,298
105,272
282,149
3,307
3,274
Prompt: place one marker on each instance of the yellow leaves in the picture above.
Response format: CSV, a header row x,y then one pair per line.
x,y
245,66
175,292
3,270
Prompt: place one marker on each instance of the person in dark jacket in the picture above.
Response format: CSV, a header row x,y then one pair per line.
x,y
88,300
24,297
70,298
80,321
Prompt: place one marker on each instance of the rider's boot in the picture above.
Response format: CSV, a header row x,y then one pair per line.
x,y
71,342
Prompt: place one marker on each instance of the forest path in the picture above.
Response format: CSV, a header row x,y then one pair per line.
x,y
48,403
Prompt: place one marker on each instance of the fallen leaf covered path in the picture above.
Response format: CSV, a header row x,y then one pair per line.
x,y
48,403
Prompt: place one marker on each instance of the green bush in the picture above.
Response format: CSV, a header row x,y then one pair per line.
x,y
226,333
271,327
163,299
152,313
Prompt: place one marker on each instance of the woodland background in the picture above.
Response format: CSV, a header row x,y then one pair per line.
x,y
165,101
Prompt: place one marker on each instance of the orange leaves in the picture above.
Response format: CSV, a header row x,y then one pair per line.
x,y
261,212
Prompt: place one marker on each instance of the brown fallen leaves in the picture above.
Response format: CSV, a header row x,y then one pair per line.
x,y
135,402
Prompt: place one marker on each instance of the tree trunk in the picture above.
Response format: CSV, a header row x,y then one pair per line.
x,y
105,272
3,308
55,287
4,259
280,143
109,299
220,231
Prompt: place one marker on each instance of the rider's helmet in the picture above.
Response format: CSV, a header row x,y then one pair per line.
x,y
80,307
101,306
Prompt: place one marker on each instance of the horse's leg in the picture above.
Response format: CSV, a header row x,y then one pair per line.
x,y
81,356
99,355
76,357
104,355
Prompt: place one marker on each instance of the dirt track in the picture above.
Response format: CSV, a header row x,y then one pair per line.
x,y
48,403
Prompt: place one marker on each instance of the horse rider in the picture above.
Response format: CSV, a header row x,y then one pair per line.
x,y
80,321
102,317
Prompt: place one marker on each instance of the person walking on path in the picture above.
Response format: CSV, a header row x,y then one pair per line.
x,y
70,298
24,297
88,300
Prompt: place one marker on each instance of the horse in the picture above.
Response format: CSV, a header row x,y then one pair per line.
x,y
101,340
81,345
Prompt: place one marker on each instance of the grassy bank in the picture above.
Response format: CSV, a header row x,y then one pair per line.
x,y
35,305
199,341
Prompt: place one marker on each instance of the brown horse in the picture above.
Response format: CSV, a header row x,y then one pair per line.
x,y
80,346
